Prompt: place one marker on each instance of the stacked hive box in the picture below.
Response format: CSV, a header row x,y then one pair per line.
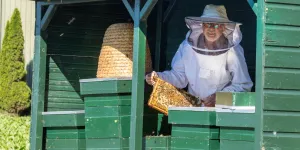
x,y
64,130
193,128
107,115
236,120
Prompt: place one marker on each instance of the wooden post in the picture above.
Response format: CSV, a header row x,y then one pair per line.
x,y
260,48
139,54
38,93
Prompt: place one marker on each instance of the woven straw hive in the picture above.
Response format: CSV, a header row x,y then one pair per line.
x,y
115,60
164,95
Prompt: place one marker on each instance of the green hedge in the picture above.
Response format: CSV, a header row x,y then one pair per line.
x,y
14,132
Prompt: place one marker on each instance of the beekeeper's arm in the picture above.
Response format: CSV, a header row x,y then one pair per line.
x,y
176,76
237,66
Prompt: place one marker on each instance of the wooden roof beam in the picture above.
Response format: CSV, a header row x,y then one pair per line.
x,y
253,5
48,16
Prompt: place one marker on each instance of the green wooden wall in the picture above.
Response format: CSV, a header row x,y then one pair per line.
x,y
280,26
74,39
175,30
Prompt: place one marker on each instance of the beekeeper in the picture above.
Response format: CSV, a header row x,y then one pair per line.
x,y
210,59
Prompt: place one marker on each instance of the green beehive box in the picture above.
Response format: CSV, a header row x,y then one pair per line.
x,y
194,128
149,143
231,99
107,113
66,138
236,128
183,143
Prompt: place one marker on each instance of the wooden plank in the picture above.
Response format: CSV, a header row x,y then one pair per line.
x,y
65,144
178,143
282,57
69,77
227,119
156,142
276,35
78,41
237,134
66,65
62,88
236,145
282,79
65,100
281,100
227,99
107,127
195,131
38,88
63,94
107,143
81,53
107,111
73,60
70,106
283,2
97,86
282,14
108,100
64,83
65,133
284,141
195,117
63,120
281,121
71,48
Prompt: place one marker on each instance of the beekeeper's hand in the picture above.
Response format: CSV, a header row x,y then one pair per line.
x,y
209,101
149,78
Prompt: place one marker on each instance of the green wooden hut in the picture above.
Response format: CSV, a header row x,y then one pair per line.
x,y
70,112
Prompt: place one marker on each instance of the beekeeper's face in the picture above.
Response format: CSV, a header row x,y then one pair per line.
x,y
213,31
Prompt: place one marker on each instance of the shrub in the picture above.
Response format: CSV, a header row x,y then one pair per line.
x,y
14,132
14,92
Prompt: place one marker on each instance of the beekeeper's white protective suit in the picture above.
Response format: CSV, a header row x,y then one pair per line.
x,y
206,72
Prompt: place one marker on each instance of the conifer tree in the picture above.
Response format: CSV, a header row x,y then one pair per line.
x,y
14,92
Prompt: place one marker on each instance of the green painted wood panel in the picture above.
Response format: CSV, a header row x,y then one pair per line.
x,y
281,100
63,120
149,143
178,143
74,38
282,57
227,119
195,131
237,134
65,133
279,121
283,2
283,141
105,144
277,35
235,99
107,127
282,14
236,145
64,94
195,117
105,87
65,144
107,100
65,105
282,79
107,111
65,100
